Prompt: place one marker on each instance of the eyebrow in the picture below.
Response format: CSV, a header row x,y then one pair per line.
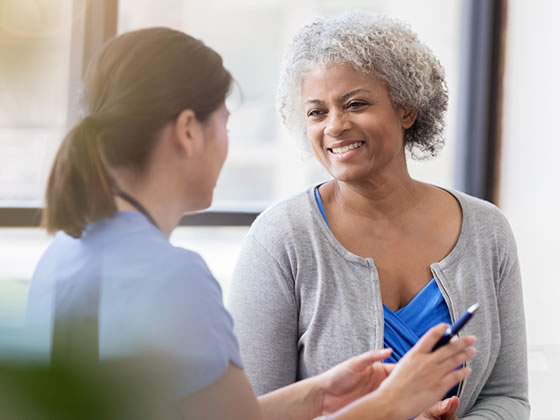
x,y
342,98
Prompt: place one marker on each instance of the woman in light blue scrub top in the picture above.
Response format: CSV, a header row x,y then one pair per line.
x,y
150,149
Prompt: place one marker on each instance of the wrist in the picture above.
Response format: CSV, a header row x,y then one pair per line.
x,y
317,394
388,404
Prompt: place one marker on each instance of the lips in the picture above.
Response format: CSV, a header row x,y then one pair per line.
x,y
346,148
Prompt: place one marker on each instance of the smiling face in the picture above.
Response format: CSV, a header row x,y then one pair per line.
x,y
355,131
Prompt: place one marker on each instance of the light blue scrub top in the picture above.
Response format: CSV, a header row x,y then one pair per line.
x,y
153,296
403,328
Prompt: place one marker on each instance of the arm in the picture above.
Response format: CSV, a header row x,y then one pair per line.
x,y
505,394
262,302
232,397
330,391
377,389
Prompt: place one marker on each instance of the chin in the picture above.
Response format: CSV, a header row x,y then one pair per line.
x,y
349,176
199,204
205,204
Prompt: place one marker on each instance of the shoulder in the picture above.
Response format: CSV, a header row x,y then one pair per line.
x,y
293,209
185,272
286,227
487,225
190,323
283,219
130,241
175,307
482,215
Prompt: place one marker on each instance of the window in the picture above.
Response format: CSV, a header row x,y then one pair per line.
x,y
35,40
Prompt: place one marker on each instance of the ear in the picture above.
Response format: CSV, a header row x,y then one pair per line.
x,y
188,132
408,117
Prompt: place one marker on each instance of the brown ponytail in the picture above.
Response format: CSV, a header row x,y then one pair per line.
x,y
135,85
79,187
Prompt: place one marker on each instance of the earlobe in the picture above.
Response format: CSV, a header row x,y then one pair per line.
x,y
408,117
187,131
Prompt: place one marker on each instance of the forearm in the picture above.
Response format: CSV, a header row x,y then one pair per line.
x,y
301,400
304,400
374,406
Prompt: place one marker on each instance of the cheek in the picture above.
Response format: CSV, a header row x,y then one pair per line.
x,y
224,145
219,147
315,144
314,135
220,151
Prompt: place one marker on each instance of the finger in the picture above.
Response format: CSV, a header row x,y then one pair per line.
x,y
389,367
439,408
364,360
454,347
429,340
454,377
458,359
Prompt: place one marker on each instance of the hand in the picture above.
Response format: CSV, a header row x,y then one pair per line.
x,y
422,377
442,410
353,379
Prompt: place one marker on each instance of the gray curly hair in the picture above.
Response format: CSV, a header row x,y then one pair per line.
x,y
378,46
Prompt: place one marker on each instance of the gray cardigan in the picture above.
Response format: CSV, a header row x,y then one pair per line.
x,y
302,303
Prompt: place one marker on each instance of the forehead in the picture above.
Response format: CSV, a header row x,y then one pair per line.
x,y
332,80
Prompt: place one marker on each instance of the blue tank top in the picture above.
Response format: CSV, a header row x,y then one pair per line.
x,y
404,327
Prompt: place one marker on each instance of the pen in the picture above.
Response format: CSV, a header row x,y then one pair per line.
x,y
454,329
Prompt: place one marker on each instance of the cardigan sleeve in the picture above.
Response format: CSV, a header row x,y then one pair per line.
x,y
262,302
505,394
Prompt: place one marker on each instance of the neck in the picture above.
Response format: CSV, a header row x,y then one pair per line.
x,y
164,211
382,199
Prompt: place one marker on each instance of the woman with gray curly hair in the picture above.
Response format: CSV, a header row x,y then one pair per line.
x,y
374,258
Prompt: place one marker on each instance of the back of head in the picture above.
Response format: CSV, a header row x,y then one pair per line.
x,y
381,47
139,82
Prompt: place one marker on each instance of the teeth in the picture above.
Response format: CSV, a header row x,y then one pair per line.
x,y
347,148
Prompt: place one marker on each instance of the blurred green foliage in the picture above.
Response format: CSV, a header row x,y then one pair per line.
x,y
118,389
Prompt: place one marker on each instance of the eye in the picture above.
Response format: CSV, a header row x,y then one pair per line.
x,y
354,105
314,113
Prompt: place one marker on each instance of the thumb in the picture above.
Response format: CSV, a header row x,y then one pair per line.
x,y
441,407
445,405
452,406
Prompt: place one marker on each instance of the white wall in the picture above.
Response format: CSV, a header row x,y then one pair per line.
x,y
530,186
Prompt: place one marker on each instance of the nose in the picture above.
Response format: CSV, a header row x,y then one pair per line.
x,y
337,123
